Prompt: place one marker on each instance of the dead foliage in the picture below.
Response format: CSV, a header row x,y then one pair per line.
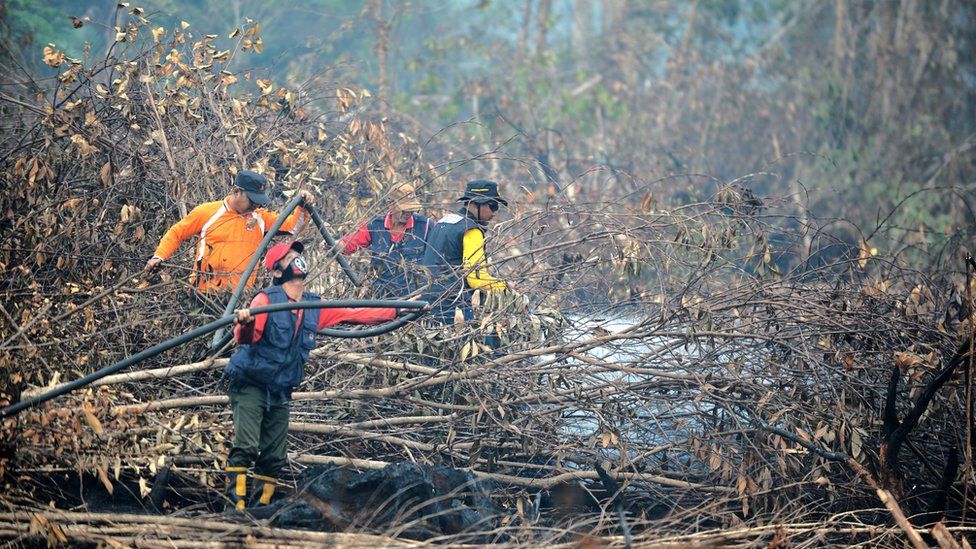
x,y
726,392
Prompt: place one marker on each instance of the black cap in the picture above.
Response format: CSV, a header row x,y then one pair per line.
x,y
482,192
255,185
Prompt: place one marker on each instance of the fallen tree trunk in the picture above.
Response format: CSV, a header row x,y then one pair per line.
x,y
113,529
174,371
541,483
385,392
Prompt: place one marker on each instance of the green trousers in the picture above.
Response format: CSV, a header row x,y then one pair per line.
x,y
260,430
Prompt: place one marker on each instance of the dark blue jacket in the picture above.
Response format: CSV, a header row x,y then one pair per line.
x,y
277,360
392,261
444,260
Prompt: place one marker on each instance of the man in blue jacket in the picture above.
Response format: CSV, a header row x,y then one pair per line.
x,y
270,364
396,242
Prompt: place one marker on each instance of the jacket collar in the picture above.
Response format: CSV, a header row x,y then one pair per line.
x,y
252,213
388,222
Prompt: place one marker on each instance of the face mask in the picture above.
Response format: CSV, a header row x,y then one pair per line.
x,y
298,268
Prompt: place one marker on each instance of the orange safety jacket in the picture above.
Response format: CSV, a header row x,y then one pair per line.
x,y
227,240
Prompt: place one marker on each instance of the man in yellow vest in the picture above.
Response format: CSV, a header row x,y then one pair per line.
x,y
455,253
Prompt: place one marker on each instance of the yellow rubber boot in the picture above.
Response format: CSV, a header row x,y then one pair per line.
x,y
237,487
265,488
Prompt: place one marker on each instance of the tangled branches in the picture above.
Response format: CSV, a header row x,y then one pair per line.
x,y
678,369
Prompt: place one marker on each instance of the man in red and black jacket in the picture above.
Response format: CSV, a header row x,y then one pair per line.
x,y
396,242
270,364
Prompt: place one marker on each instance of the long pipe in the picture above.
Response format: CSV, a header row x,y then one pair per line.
x,y
372,331
333,248
195,333
270,234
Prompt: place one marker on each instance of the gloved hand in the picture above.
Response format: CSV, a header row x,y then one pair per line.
x,y
244,316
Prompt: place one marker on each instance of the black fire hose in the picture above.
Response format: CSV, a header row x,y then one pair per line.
x,y
339,333
268,235
14,409
220,338
333,248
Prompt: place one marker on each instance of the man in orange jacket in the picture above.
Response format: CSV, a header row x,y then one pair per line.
x,y
229,232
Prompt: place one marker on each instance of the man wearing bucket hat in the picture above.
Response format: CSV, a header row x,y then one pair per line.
x,y
396,242
455,255
229,232
269,365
